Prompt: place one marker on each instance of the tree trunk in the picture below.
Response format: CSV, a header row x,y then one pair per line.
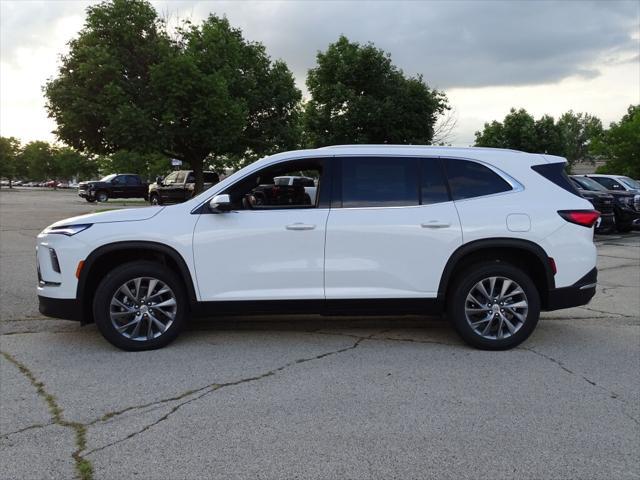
x,y
198,167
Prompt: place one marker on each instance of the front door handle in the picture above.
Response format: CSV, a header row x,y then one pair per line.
x,y
300,226
435,224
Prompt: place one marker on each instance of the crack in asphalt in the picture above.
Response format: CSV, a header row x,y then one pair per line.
x,y
608,313
30,427
84,469
613,395
206,390
392,339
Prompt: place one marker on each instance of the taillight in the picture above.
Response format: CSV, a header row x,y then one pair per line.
x,y
584,218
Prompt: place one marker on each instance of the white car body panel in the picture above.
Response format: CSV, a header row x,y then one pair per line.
x,y
370,252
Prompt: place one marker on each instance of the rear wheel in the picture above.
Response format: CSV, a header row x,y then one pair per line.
x,y
494,305
140,306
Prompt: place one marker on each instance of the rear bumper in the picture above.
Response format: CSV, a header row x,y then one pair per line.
x,y
580,293
65,308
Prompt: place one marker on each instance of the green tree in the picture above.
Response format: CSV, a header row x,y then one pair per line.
x,y
127,85
548,136
619,145
147,165
11,165
516,131
69,163
39,158
359,96
577,130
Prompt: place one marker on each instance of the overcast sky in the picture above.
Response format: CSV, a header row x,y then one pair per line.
x,y
488,56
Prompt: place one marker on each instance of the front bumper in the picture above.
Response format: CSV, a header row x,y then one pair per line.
x,y
607,222
85,193
65,308
580,293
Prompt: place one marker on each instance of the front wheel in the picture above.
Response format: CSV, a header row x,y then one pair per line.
x,y
494,305
140,306
102,196
155,199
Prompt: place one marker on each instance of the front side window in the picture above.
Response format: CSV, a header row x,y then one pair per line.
x,y
180,177
264,190
119,180
171,178
379,182
470,179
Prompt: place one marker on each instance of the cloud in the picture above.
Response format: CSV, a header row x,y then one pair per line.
x,y
453,44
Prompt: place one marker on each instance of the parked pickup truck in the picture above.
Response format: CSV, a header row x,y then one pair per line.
x,y
116,185
178,186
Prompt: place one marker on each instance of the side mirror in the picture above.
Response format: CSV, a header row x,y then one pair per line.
x,y
220,203
159,180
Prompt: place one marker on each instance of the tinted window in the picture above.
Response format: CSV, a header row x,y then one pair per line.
x,y
171,178
379,182
433,185
119,180
132,180
261,190
609,183
554,172
470,179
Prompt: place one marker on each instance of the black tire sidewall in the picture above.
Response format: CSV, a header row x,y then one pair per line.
x,y
106,196
463,284
114,279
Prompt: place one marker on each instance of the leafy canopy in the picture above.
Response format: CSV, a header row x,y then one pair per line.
x,y
620,145
127,84
359,96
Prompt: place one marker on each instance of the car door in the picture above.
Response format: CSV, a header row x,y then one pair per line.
x,y
391,229
263,251
133,187
119,186
167,185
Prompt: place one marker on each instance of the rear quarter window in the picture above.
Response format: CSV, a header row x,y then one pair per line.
x,y
554,172
469,179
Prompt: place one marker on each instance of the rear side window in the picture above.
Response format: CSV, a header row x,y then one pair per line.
x,y
132,180
433,186
379,182
470,179
554,172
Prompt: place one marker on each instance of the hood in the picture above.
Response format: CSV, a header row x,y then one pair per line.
x,y
124,215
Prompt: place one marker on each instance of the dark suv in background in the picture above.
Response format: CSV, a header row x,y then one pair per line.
x,y
116,185
624,209
178,186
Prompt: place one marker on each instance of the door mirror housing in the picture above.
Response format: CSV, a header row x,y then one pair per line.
x,y
159,180
220,203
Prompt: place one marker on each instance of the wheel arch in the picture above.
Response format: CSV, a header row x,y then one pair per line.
x,y
524,253
104,258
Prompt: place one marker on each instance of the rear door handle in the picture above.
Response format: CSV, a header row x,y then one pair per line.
x,y
435,224
300,226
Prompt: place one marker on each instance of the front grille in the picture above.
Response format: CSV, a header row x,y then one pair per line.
x,y
606,206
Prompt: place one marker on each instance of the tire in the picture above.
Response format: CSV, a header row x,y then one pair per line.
x,y
155,200
102,196
90,200
111,306
502,334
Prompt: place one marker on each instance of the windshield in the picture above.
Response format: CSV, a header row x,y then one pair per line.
x,y
108,178
630,182
589,184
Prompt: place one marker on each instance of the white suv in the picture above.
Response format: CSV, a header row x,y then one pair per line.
x,y
490,236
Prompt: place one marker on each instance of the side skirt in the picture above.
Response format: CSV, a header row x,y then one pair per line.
x,y
380,306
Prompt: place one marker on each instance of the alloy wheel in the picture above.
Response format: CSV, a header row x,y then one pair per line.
x,y
143,308
496,308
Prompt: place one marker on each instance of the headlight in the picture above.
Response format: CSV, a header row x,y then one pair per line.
x,y
68,230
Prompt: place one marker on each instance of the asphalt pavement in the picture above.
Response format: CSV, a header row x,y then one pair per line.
x,y
310,397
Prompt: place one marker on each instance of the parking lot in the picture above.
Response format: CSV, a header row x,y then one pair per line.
x,y
314,397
